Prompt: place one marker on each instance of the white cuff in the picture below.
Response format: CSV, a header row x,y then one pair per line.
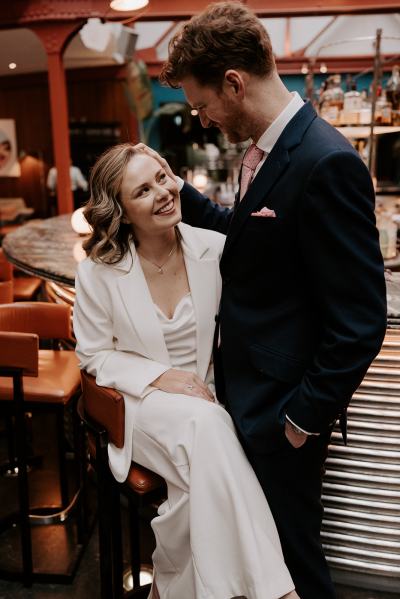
x,y
301,429
180,182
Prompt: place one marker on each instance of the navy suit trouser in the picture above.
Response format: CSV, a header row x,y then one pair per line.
x,y
292,482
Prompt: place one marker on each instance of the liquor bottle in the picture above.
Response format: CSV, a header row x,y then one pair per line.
x,y
393,94
383,108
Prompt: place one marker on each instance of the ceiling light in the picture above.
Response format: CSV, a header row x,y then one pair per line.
x,y
128,4
79,222
194,112
12,65
304,69
323,68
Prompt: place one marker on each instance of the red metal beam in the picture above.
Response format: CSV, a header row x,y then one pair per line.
x,y
292,65
24,12
182,9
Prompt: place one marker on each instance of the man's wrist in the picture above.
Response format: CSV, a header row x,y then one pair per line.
x,y
297,430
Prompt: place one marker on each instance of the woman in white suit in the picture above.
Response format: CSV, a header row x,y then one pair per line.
x,y
146,298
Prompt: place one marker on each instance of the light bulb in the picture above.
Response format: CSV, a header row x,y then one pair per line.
x,y
79,222
128,4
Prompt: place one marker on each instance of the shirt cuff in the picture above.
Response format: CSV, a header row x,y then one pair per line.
x,y
300,429
180,182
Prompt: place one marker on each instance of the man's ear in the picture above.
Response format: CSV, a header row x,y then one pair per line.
x,y
234,81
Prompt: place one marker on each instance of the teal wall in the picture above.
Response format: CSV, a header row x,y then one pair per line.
x,y
161,95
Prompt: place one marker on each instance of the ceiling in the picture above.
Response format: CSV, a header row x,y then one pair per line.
x,y
306,36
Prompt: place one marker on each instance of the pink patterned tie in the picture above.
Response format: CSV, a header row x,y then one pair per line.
x,y
250,161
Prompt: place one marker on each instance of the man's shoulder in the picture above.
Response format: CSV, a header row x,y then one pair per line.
x,y
327,138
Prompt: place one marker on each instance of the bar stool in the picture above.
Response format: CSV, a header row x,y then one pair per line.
x,y
37,380
25,288
103,412
6,292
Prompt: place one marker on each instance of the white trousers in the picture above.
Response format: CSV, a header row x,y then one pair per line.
x,y
215,536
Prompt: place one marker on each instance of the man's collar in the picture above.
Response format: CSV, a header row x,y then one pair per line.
x,y
269,138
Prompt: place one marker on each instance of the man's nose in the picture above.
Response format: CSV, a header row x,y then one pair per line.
x,y
204,120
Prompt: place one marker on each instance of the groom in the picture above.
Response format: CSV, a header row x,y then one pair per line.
x,y
303,309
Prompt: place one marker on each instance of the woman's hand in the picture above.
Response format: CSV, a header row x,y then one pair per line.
x,y
146,150
180,381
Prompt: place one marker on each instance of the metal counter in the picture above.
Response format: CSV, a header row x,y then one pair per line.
x,y
361,491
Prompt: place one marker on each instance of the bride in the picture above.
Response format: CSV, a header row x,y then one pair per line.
x,y
146,298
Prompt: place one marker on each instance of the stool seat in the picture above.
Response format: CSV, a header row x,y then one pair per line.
x,y
6,292
25,288
58,380
140,480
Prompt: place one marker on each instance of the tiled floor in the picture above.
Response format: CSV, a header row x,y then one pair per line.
x,y
86,582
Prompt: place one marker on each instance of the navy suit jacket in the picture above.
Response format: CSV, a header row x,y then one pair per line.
x,y
303,307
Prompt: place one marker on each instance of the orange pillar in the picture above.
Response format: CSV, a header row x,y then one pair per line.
x,y
54,38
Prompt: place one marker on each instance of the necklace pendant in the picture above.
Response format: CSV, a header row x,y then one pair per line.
x,y
160,270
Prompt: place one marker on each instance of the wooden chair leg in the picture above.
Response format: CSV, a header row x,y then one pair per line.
x,y
23,489
80,476
62,462
118,571
134,538
105,508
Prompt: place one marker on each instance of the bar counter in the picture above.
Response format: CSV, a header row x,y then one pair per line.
x,y
361,492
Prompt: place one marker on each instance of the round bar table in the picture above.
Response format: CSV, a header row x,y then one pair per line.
x,y
361,491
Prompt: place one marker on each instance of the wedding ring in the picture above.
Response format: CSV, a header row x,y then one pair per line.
x,y
189,387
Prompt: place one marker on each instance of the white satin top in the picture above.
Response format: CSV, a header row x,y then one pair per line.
x,y
180,334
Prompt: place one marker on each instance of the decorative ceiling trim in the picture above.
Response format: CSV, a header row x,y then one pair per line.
x,y
292,65
22,13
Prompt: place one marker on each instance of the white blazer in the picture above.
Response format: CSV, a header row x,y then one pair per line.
x,y
118,333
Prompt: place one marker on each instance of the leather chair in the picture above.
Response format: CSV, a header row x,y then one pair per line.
x,y
25,288
103,412
6,292
37,380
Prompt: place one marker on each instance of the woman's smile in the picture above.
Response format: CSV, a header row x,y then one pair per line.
x,y
166,209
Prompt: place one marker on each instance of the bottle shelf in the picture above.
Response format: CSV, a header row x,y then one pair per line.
x,y
361,132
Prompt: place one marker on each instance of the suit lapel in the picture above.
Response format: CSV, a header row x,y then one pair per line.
x,y
202,281
135,296
270,172
202,273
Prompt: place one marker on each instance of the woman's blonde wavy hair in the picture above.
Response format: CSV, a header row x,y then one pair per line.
x,y
111,235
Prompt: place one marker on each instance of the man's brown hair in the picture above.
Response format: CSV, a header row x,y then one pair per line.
x,y
227,35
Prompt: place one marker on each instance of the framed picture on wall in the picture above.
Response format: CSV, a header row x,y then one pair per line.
x,y
9,165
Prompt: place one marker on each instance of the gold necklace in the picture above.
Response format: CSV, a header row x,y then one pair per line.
x,y
160,266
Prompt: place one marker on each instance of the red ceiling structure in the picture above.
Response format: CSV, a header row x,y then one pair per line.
x,y
24,12
55,22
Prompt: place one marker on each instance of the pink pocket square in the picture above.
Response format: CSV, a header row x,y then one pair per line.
x,y
265,212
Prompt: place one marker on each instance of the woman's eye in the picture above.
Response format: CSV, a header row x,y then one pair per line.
x,y
163,177
143,191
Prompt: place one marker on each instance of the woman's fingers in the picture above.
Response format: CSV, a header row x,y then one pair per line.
x,y
196,387
204,387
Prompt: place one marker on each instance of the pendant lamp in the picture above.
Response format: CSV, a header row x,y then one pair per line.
x,y
128,4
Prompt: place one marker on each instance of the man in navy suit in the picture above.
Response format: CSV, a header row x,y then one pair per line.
x,y
303,308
